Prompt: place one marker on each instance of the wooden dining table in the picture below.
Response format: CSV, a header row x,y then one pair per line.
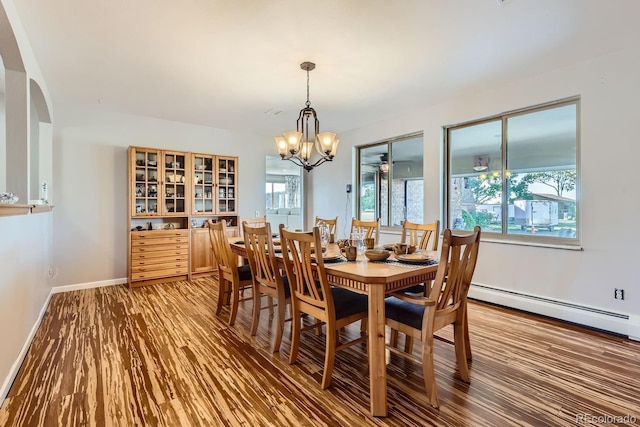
x,y
376,280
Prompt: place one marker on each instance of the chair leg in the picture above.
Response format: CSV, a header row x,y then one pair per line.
x,y
428,372
460,346
393,339
235,296
270,305
295,334
257,306
408,344
467,342
329,356
280,313
222,292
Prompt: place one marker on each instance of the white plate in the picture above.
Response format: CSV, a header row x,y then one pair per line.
x,y
418,258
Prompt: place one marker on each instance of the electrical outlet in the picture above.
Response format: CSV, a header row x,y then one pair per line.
x,y
348,188
257,214
618,294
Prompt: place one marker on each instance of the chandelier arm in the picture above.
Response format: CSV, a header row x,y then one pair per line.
x,y
321,160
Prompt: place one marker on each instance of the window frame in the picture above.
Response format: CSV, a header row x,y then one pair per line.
x,y
388,142
503,236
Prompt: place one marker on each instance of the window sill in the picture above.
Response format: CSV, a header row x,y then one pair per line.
x,y
549,245
14,209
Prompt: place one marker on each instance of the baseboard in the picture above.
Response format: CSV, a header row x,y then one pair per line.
x,y
617,323
88,285
15,368
634,327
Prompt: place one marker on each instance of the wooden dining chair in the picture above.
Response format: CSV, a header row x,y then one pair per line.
x,y
371,228
422,236
253,222
332,223
231,277
312,294
267,279
420,317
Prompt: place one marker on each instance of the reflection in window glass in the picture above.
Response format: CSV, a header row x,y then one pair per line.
x,y
391,185
283,184
530,193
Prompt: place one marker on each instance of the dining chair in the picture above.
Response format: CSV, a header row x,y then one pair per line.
x,y
420,235
231,277
423,237
312,294
420,317
261,220
332,223
267,278
371,228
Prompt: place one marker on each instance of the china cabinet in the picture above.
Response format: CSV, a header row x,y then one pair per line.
x,y
171,192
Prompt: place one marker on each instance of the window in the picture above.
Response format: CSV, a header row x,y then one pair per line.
x,y
283,188
390,181
516,174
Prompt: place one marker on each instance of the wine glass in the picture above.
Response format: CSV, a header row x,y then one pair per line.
x,y
357,240
323,228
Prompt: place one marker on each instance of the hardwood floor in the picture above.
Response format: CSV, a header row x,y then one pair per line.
x,y
158,356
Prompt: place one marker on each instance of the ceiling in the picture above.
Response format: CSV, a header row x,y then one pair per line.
x,y
227,64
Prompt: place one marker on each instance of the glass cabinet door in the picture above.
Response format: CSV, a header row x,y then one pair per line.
x,y
175,181
227,184
203,184
146,176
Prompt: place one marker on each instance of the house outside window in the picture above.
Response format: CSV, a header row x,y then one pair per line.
x,y
390,181
516,174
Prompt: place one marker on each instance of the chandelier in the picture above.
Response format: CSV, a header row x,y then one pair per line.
x,y
297,145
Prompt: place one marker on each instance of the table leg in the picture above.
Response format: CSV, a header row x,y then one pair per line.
x,y
377,365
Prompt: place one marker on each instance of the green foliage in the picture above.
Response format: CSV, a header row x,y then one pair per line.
x,y
367,200
469,220
560,181
489,189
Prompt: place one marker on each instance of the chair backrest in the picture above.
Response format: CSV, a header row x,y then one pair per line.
x,y
225,259
307,279
332,223
458,258
371,228
252,221
261,255
419,235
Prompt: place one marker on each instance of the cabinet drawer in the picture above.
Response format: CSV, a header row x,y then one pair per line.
x,y
154,274
157,234
183,253
176,266
159,248
155,261
160,241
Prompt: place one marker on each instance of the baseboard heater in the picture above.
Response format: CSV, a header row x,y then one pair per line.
x,y
595,318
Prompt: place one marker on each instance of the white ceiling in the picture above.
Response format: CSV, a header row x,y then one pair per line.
x,y
225,63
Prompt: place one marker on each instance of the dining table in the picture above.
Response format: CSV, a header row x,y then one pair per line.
x,y
376,279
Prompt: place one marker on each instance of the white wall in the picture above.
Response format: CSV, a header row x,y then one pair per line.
x,y
25,240
608,195
90,183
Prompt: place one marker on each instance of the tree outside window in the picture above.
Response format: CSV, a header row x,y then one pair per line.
x,y
516,174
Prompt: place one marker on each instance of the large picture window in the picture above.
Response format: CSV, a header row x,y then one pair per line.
x,y
516,174
390,181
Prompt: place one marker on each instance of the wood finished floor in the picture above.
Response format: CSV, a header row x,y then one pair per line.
x,y
158,356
